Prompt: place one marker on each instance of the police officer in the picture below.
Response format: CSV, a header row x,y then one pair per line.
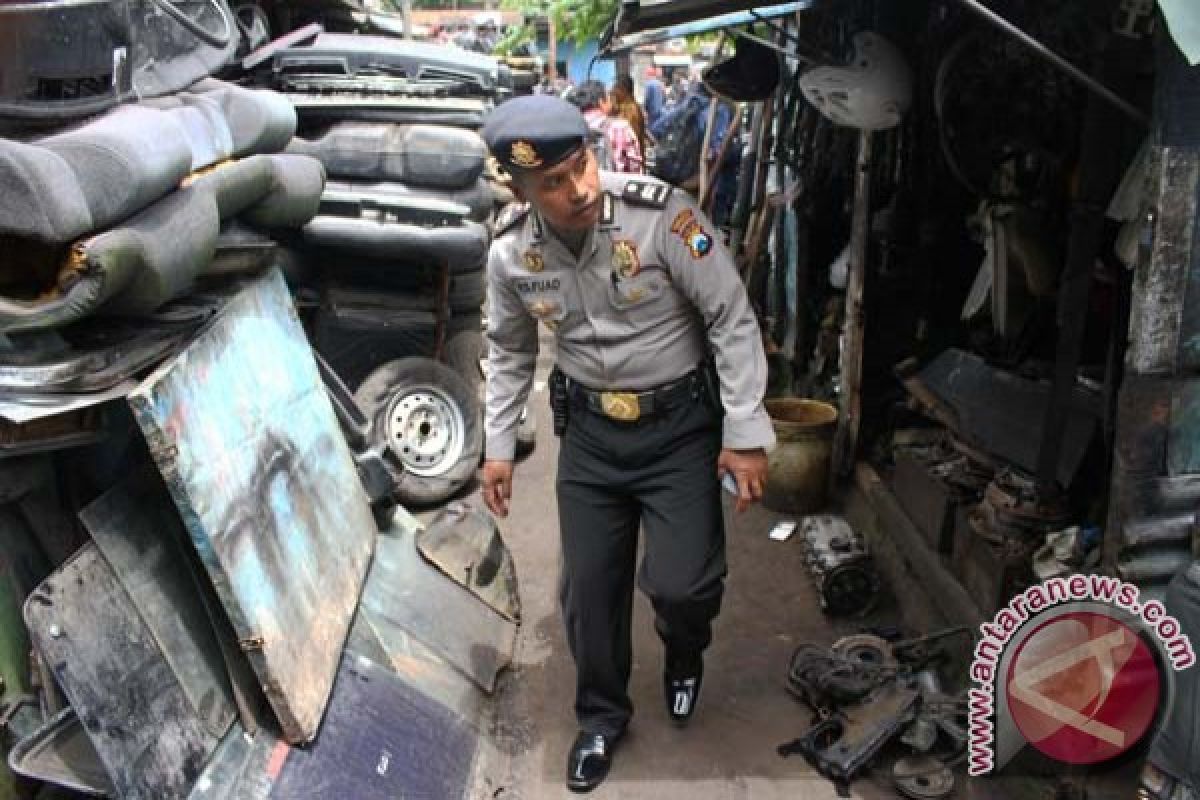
x,y
642,300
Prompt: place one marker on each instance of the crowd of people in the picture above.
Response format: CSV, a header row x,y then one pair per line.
x,y
627,133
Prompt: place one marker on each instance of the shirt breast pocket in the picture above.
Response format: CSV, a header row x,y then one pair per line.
x,y
550,301
642,293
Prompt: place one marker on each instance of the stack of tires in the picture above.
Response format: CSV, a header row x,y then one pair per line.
x,y
394,260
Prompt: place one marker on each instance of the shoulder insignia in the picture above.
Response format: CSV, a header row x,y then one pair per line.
x,y
651,194
510,216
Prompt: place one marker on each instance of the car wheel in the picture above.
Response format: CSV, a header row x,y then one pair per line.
x,y
429,418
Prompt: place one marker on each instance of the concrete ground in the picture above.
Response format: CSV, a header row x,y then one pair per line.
x,y
729,749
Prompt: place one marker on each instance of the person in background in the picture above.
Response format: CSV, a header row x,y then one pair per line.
x,y
625,105
615,141
694,108
654,96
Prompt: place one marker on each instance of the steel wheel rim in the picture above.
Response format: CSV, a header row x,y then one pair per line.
x,y
426,431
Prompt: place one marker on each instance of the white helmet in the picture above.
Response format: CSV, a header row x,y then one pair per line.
x,y
872,93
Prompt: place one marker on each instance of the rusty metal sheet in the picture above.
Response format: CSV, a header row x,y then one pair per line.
x,y
407,598
241,429
137,528
83,623
1183,435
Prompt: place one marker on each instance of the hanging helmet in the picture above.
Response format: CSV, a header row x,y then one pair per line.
x,y
749,76
871,93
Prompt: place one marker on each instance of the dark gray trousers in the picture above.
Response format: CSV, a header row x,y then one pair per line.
x,y
659,472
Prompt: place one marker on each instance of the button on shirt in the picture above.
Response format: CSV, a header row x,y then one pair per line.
x,y
652,292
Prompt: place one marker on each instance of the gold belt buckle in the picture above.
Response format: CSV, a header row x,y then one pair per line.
x,y
620,405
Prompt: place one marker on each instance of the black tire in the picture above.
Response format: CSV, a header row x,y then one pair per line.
x,y
429,418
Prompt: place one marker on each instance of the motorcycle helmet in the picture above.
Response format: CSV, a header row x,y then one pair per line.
x,y
871,93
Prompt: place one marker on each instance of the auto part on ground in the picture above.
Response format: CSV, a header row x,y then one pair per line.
x,y
280,521
866,691
870,94
998,412
64,60
157,255
479,198
429,419
455,624
751,75
922,778
840,746
420,155
462,247
351,56
135,712
1014,508
837,559
465,543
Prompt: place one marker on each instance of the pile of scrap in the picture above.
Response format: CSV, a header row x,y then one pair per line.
x,y
867,693
967,483
234,624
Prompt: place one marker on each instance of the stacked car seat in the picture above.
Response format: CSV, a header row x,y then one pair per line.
x,y
118,214
396,254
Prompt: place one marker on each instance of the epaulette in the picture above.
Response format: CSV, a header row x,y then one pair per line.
x,y
650,194
509,217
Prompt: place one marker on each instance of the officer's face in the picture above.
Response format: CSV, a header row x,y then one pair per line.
x,y
567,195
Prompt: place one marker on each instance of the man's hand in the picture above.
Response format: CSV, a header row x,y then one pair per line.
x,y
497,486
749,469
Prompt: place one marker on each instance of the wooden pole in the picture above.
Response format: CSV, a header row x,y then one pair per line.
x,y
846,440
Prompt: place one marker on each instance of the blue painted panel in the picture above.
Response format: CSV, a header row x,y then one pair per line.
x,y
241,429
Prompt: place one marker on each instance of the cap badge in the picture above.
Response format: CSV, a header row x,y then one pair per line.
x,y
524,155
533,261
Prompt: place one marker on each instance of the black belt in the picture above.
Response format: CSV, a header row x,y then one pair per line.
x,y
632,406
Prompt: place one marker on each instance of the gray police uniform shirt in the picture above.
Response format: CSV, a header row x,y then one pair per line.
x,y
633,312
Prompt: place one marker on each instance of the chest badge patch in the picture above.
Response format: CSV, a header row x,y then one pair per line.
x,y
685,225
625,258
533,261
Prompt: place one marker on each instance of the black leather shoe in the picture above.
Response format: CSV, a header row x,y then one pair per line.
x,y
589,760
681,687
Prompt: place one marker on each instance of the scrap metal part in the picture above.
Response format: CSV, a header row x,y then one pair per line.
x,y
922,778
841,567
840,746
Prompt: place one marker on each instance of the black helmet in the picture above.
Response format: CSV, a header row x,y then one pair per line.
x,y
749,76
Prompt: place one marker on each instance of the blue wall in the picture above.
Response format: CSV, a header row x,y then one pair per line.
x,y
577,59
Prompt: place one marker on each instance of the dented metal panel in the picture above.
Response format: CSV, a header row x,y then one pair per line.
x,y
241,429
137,528
84,625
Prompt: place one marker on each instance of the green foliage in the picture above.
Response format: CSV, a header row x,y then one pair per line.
x,y
577,20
